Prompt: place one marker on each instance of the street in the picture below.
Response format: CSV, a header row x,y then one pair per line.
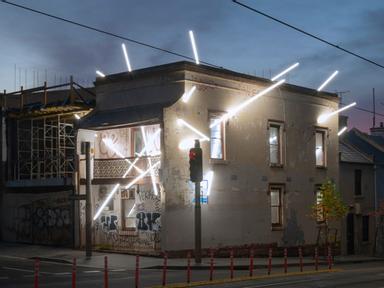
x,y
18,272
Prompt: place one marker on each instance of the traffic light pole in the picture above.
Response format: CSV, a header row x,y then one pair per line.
x,y
197,224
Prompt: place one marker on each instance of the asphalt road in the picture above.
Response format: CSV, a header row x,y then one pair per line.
x,y
18,272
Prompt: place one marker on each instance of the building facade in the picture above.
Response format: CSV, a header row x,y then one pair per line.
x,y
262,162
38,162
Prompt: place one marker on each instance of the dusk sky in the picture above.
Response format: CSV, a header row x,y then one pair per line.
x,y
227,35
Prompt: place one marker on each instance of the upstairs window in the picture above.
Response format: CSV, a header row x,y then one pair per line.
x,y
276,194
275,144
217,137
320,148
357,182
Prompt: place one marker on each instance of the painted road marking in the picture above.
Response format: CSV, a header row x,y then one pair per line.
x,y
117,270
17,269
92,271
279,283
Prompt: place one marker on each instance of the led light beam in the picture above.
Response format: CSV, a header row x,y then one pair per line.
x,y
187,95
155,191
342,130
286,71
100,73
328,80
192,37
324,117
245,103
126,57
181,122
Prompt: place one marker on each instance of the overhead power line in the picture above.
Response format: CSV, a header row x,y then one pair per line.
x,y
308,34
105,32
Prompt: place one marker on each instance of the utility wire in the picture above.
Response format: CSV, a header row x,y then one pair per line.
x,y
308,34
105,32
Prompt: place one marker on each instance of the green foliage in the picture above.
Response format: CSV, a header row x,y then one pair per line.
x,y
329,206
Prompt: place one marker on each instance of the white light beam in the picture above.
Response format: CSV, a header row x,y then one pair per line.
x,y
328,80
77,116
285,71
342,130
181,122
245,103
324,117
187,95
210,179
126,57
101,74
155,191
192,37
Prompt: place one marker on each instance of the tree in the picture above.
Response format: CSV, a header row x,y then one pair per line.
x,y
378,246
328,208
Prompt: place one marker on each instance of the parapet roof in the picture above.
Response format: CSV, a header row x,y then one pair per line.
x,y
219,72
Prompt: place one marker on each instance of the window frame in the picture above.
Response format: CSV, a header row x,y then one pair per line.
x,y
131,191
365,232
215,115
281,130
324,132
360,180
281,189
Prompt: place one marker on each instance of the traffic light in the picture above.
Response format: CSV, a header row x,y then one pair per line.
x,y
196,164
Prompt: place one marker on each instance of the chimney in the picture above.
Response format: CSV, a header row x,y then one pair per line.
x,y
378,131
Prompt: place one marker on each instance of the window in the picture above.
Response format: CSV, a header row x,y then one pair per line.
x,y
217,137
276,206
365,227
128,208
319,205
138,142
320,148
275,145
357,182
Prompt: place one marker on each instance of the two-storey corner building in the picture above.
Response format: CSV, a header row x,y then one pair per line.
x,y
262,162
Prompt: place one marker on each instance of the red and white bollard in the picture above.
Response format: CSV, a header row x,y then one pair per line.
x,y
106,272
189,267
301,259
231,264
74,273
316,259
329,258
285,260
37,270
251,263
137,272
269,261
211,266
164,282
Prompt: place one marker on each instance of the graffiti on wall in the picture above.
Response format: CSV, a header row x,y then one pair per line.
x,y
147,214
44,221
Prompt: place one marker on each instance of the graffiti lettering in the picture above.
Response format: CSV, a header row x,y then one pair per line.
x,y
148,221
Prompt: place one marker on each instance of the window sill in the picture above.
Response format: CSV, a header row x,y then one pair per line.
x,y
128,232
276,165
277,228
218,161
321,167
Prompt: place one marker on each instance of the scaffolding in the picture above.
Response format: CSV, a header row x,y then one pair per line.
x,y
46,147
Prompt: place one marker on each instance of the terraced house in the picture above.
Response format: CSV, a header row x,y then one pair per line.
x,y
263,158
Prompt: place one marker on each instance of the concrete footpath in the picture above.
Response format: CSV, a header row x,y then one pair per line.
x,y
126,261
